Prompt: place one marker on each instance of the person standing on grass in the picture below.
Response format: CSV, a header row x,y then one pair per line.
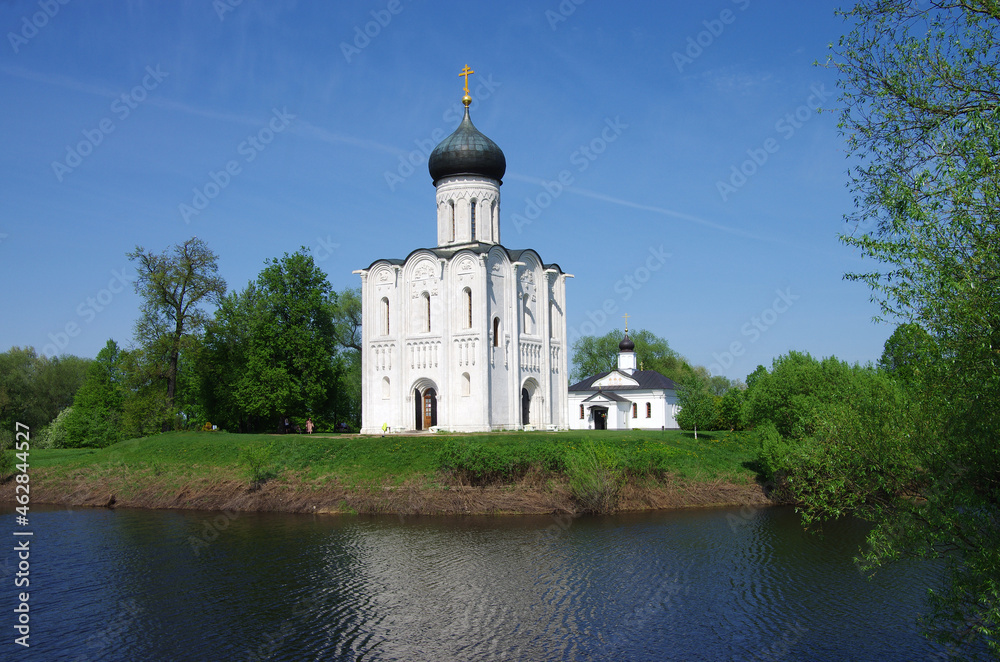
x,y
309,425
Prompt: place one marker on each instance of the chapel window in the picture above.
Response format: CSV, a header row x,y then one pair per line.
x,y
467,295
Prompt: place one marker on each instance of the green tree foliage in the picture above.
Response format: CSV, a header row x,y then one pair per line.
x,y
698,406
34,389
593,355
98,408
272,350
921,110
730,409
796,393
173,285
910,355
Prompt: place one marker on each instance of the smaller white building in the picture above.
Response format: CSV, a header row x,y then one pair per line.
x,y
625,398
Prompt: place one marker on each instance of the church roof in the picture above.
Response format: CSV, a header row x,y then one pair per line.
x,y
647,379
467,152
607,394
514,255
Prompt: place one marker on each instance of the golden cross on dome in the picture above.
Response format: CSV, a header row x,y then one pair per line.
x,y
465,72
626,322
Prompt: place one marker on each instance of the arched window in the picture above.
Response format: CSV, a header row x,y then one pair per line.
x,y
385,316
385,388
467,296
649,410
496,331
472,212
427,311
451,204
466,384
495,221
527,313
635,410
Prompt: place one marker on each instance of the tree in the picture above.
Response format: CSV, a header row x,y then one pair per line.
x,y
173,285
698,409
34,389
920,86
272,350
910,355
731,409
96,417
593,355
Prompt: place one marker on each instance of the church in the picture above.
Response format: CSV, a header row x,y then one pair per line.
x,y
624,399
467,336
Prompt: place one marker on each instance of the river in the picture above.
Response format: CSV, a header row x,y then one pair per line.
x,y
704,584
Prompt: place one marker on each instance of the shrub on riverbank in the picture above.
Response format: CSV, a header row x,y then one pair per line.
x,y
596,476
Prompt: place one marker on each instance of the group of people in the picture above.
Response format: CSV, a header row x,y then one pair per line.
x,y
287,427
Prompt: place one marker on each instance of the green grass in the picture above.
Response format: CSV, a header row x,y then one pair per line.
x,y
354,460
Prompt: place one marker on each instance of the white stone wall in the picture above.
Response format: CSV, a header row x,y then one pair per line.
x,y
478,385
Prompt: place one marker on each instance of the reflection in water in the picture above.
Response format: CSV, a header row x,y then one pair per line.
x,y
687,585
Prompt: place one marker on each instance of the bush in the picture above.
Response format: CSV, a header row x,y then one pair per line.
x,y
482,464
595,477
653,461
55,434
256,461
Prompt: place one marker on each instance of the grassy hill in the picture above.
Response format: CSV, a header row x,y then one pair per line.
x,y
159,471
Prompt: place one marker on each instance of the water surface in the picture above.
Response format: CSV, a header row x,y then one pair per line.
x,y
716,584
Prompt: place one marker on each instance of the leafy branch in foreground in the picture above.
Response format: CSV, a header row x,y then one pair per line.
x,y
920,83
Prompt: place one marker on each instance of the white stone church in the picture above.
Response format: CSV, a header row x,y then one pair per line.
x,y
468,335
624,399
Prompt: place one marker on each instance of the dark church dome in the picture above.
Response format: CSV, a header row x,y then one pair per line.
x,y
467,152
626,345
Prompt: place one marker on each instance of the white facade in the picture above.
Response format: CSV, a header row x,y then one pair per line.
x,y
624,399
468,336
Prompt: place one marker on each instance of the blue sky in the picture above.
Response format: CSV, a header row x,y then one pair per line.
x,y
702,193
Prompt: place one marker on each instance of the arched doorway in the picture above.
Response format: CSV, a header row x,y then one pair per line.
x,y
532,404
425,413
